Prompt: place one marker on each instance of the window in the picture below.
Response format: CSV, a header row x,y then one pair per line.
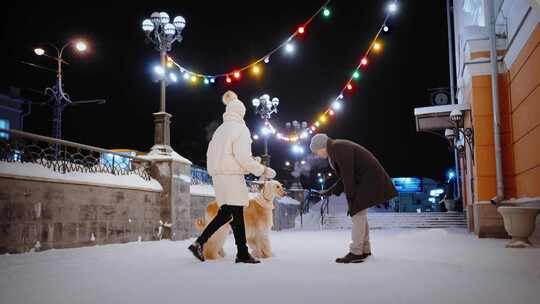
x,y
4,124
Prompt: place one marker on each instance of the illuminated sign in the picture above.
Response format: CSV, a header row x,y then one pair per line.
x,y
408,184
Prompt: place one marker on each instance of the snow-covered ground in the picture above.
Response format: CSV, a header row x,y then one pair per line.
x,y
408,266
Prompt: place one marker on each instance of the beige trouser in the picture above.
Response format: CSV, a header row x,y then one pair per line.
x,y
360,234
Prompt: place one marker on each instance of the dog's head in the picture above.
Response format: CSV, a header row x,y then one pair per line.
x,y
273,189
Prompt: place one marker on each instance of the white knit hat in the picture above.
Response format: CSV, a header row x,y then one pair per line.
x,y
233,105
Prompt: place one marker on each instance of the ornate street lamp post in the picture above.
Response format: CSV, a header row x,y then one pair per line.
x,y
162,34
299,131
265,107
58,98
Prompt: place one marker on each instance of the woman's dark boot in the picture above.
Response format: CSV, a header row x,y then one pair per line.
x,y
246,258
197,250
239,231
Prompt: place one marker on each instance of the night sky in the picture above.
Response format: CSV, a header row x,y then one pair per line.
x,y
221,36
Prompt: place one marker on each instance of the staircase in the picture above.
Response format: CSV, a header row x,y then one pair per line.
x,y
402,220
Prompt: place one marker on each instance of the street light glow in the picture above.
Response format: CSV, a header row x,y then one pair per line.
x,y
297,149
287,163
39,51
173,77
255,137
392,7
80,46
147,25
179,22
289,48
159,70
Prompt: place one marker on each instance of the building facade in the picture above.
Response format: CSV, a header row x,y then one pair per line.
x,y
518,55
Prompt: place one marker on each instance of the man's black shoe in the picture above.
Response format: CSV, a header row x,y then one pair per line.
x,y
351,258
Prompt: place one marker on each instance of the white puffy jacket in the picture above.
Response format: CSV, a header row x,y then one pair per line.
x,y
229,151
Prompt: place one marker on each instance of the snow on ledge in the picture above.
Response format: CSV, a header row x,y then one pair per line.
x,y
202,190
155,154
39,172
287,200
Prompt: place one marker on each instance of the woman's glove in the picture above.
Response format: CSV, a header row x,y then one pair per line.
x,y
269,173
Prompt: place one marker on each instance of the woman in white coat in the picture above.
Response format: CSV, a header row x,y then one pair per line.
x,y
229,158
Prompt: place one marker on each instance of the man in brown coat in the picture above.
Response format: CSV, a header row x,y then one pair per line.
x,y
364,181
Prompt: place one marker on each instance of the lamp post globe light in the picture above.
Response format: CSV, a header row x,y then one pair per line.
x,y
162,34
300,134
58,98
264,107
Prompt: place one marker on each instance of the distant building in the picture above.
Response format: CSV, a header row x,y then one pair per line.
x,y
12,111
416,194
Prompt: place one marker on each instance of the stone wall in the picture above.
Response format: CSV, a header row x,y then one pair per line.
x,y
285,216
198,209
44,214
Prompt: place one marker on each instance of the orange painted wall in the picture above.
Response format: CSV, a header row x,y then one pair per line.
x,y
524,80
519,96
484,150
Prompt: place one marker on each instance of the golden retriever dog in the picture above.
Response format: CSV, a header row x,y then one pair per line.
x,y
258,220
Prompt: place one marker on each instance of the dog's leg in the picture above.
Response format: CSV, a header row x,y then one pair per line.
x,y
266,249
257,247
221,252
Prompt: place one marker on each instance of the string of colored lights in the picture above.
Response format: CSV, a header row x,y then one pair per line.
x,y
254,66
374,46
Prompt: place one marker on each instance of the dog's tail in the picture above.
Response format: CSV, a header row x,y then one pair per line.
x,y
200,224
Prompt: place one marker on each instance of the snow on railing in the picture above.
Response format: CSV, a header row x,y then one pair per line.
x,y
65,156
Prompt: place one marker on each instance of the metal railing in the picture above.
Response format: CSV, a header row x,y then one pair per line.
x,y
199,176
65,156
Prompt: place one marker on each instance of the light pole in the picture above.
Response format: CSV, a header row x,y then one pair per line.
x,y
58,98
265,107
162,34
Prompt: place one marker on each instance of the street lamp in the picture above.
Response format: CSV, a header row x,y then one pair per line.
x,y
162,34
300,134
265,107
454,135
58,98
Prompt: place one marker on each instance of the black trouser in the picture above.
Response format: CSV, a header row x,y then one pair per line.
x,y
225,213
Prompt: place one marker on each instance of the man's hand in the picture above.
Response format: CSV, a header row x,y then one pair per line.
x,y
324,193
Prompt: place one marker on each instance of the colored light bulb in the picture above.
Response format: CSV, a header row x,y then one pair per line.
x,y
326,12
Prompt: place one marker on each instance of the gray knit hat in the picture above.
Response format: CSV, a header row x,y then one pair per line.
x,y
318,142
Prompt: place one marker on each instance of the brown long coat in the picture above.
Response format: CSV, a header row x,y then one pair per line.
x,y
362,177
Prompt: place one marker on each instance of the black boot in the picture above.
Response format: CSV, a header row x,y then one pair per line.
x,y
351,258
197,250
246,258
239,232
